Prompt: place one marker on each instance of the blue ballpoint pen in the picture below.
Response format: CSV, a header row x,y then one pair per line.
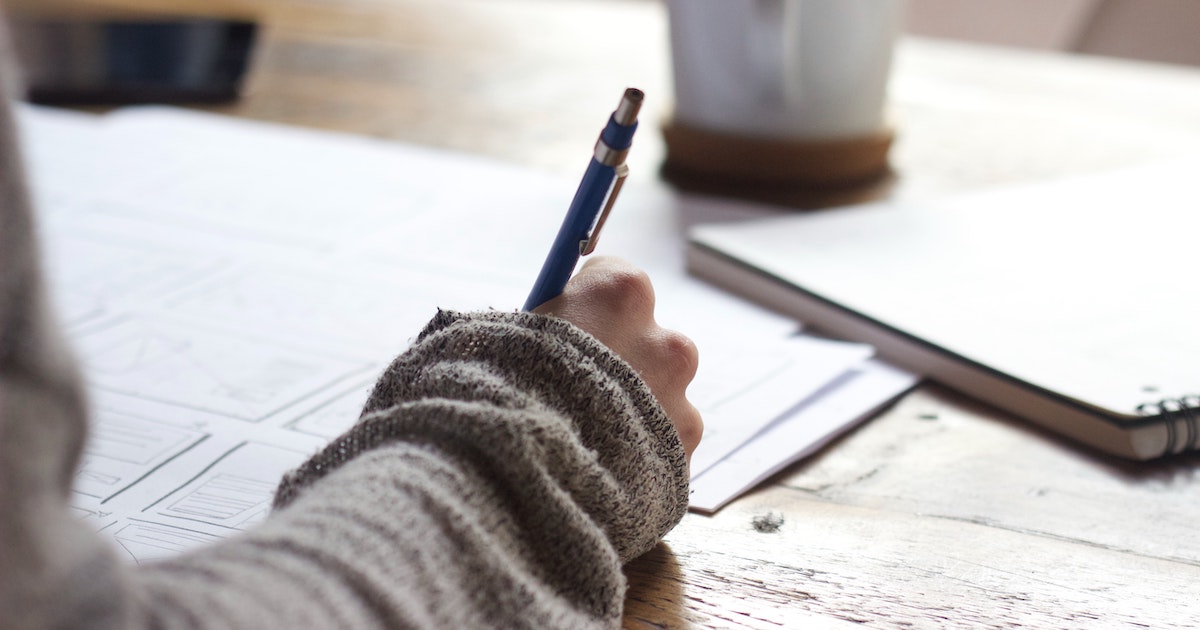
x,y
593,200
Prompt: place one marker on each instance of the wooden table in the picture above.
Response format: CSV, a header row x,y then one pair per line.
x,y
939,512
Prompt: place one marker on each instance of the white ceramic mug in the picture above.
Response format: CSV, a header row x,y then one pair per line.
x,y
783,69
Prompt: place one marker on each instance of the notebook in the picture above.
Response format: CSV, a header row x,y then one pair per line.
x,y
1072,303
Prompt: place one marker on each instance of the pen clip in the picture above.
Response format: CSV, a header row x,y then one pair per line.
x,y
588,245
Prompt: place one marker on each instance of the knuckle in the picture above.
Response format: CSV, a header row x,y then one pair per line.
x,y
629,289
680,352
690,426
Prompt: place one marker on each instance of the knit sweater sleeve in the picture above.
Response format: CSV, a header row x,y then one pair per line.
x,y
504,469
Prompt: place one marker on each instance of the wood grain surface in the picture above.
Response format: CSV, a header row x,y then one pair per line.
x,y
939,512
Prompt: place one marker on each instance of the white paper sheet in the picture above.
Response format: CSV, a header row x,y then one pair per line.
x,y
815,422
233,289
757,385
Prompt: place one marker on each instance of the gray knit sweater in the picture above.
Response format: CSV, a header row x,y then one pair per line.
x,y
503,470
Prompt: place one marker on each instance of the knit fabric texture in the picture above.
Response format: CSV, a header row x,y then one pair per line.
x,y
504,468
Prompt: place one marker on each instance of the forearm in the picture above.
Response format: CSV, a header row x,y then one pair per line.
x,y
506,467
52,568
564,405
401,536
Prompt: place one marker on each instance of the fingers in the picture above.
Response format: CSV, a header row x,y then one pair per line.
x,y
671,364
605,289
614,301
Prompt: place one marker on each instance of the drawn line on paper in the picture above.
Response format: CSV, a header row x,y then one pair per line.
x,y
780,366
224,497
130,440
96,476
145,540
334,416
248,415
197,475
156,468
203,522
128,354
319,390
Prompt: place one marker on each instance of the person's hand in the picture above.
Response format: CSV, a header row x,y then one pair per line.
x,y
614,302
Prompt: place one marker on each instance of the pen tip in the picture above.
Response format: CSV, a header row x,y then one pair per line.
x,y
627,111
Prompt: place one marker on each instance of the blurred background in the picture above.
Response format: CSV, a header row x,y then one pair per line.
x,y
527,80
1152,30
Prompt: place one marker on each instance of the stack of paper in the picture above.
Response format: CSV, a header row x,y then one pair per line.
x,y
234,288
